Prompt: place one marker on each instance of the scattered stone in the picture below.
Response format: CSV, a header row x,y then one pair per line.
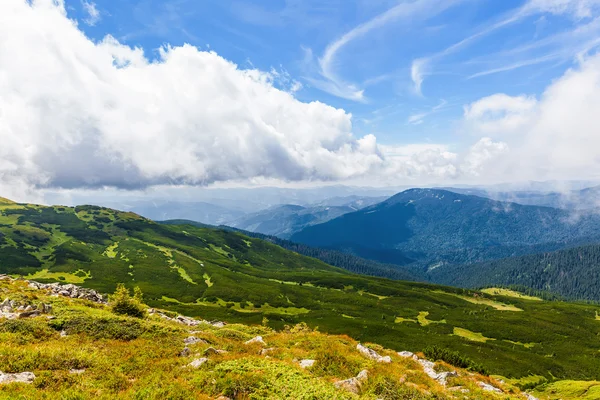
x,y
76,371
212,350
442,377
307,363
185,352
218,324
531,397
63,333
489,388
23,377
372,354
223,398
267,351
353,385
408,354
257,339
193,340
198,362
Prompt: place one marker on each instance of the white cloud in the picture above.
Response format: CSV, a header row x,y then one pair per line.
x,y
499,113
93,15
75,113
554,137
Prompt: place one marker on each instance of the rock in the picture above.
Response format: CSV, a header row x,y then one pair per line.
x,y
257,339
76,371
372,354
408,354
353,385
198,362
223,397
307,363
23,377
185,352
531,397
27,314
267,351
63,333
193,340
218,324
442,377
212,350
488,387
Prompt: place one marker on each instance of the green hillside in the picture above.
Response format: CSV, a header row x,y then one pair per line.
x,y
572,273
79,349
218,274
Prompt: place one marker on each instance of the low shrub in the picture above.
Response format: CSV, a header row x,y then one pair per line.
x,y
436,353
122,303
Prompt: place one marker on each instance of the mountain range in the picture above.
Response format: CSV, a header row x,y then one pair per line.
x,y
437,227
219,274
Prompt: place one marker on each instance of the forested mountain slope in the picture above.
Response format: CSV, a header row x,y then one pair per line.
x,y
218,274
436,226
572,273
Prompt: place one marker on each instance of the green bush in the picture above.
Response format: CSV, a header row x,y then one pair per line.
x,y
436,353
122,303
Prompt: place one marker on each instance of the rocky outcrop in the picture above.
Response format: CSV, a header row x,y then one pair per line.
x,y
22,377
70,290
186,320
442,377
194,340
372,354
12,309
353,385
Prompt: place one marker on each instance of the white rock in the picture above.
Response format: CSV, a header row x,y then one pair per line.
x,y
307,363
192,340
76,371
372,354
353,385
257,339
198,362
488,387
408,354
23,377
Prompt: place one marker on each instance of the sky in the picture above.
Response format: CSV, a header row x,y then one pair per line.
x,y
139,94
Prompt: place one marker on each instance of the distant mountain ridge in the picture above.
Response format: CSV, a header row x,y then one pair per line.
x,y
434,226
571,273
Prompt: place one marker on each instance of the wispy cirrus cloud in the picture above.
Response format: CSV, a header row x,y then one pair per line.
x,y
576,9
93,14
330,80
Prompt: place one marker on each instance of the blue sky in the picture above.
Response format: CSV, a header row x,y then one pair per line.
x,y
135,95
291,36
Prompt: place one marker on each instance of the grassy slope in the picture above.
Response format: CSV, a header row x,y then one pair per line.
x,y
224,275
126,358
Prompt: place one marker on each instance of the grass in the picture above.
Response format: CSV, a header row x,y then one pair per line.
x,y
249,283
477,299
569,390
509,293
473,336
78,277
120,357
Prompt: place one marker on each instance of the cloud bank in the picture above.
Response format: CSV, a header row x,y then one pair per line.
x,y
80,114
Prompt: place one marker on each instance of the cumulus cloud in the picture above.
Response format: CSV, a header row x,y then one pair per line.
x,y
554,137
500,113
79,113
